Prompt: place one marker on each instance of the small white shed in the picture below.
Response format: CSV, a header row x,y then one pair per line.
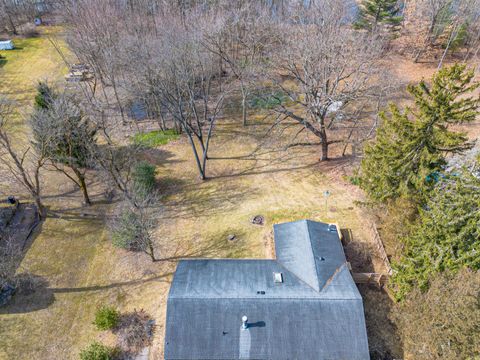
x,y
6,45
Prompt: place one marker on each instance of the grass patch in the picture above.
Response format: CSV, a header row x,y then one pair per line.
x,y
32,60
265,99
155,138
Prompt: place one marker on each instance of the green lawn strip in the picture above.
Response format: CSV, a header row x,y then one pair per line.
x,y
155,138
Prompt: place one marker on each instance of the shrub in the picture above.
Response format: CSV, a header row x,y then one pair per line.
x,y
144,178
126,229
29,30
135,331
98,351
106,318
132,230
45,96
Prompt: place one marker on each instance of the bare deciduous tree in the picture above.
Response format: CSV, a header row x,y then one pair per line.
x,y
14,13
431,24
188,83
24,166
67,137
333,69
241,39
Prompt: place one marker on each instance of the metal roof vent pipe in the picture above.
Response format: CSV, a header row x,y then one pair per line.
x,y
244,322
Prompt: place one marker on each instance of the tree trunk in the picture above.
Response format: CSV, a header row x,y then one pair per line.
x,y
244,106
452,36
205,151
324,151
117,97
83,186
42,214
12,24
151,251
195,153
417,56
323,137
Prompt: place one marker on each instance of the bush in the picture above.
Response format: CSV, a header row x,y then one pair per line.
x,y
45,96
97,351
106,318
144,178
135,331
155,138
125,230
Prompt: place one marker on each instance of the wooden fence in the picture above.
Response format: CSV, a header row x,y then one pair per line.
x,y
380,248
378,279
370,278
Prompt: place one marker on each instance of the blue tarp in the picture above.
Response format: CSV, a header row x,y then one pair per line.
x,y
6,45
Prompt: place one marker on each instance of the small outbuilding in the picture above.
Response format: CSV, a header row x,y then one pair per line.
x,y
6,45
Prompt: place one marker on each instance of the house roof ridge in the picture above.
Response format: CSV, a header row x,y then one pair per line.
x,y
307,223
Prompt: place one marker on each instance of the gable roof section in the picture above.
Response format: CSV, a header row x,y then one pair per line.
x,y
309,250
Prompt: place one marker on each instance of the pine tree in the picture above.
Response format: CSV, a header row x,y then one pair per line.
x,y
446,237
45,96
375,12
408,155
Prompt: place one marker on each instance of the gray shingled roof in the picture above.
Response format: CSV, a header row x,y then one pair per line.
x,y
316,313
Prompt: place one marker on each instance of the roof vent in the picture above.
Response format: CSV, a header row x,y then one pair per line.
x,y
244,322
278,277
260,292
332,227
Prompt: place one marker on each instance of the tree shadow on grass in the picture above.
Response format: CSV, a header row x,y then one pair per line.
x,y
157,278
160,157
168,185
269,167
16,240
205,200
32,294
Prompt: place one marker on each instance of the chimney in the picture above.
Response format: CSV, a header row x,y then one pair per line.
x,y
244,322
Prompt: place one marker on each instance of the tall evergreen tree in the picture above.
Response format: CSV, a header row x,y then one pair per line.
x,y
375,12
409,153
446,237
